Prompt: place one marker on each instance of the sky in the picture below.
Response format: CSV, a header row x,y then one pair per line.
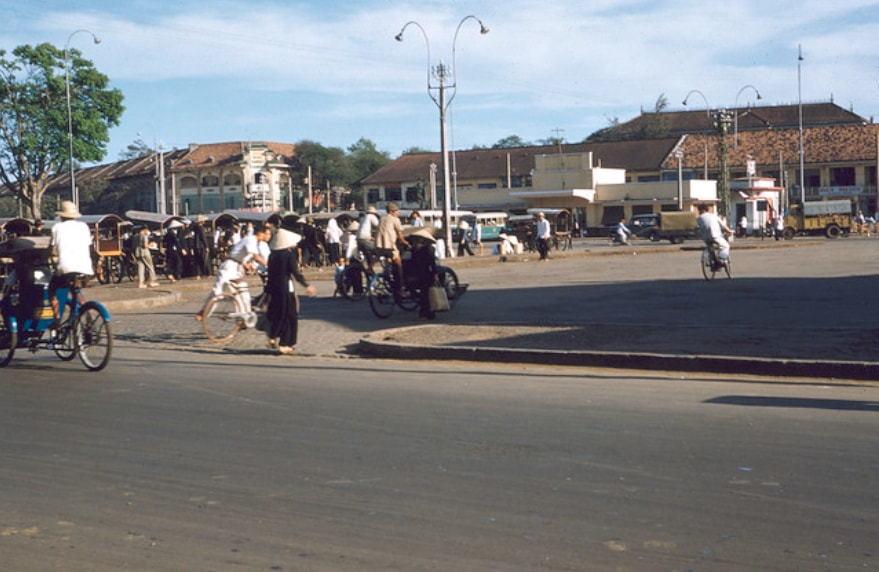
x,y
330,71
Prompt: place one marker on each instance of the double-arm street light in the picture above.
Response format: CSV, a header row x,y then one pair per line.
x,y
74,196
722,120
736,111
445,80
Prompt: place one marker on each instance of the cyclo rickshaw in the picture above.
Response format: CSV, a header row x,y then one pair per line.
x,y
27,320
158,225
561,225
108,236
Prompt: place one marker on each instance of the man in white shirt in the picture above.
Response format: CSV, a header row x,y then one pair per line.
x,y
544,234
713,230
366,235
72,242
234,268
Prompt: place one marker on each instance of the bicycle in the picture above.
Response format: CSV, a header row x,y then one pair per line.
x,y
383,296
225,314
355,281
82,328
712,263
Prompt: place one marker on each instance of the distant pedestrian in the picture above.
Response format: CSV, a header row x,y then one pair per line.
x,y
544,234
173,251
463,238
143,257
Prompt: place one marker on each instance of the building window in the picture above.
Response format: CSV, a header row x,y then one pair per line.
x,y
373,196
232,180
210,181
842,177
393,194
188,182
486,186
612,215
413,195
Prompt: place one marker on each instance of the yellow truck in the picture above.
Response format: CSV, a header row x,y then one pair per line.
x,y
830,218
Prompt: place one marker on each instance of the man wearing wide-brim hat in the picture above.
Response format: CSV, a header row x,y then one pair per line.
x,y
72,242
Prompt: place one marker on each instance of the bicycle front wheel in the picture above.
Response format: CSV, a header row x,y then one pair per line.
x,y
8,340
381,296
727,267
222,319
92,337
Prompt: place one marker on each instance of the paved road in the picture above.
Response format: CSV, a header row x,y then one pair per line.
x,y
175,459
799,300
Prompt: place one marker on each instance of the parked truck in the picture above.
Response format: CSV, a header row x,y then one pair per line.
x,y
672,226
830,218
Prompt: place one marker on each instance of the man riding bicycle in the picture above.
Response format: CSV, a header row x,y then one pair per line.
x,y
714,231
235,268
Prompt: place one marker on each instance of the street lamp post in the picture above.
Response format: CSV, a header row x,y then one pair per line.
x,y
446,80
736,111
722,120
74,196
802,151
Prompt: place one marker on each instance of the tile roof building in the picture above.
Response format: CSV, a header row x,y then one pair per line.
x,y
839,150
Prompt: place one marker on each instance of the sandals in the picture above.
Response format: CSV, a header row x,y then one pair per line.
x,y
285,350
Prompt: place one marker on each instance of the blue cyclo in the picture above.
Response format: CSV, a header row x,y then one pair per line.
x,y
83,327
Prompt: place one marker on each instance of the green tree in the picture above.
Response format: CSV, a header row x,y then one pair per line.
x,y
416,151
329,165
364,159
33,118
135,150
510,142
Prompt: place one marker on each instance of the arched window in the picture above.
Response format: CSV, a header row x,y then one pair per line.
x,y
232,180
210,181
188,182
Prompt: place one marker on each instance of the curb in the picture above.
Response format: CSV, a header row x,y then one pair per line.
x,y
156,299
376,345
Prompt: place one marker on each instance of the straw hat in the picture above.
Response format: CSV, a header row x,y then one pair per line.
x,y
371,210
285,239
174,224
68,210
423,233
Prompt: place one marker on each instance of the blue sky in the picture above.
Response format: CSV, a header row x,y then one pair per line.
x,y
330,71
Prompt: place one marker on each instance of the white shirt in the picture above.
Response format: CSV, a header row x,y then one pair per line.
x,y
369,222
543,229
73,241
244,249
709,225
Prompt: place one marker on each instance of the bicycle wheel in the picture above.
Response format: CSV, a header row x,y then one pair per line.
x,y
449,280
64,345
221,320
8,340
356,283
727,267
381,296
707,265
102,270
92,337
130,269
115,270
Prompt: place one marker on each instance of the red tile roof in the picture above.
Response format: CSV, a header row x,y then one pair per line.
x,y
222,154
821,145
